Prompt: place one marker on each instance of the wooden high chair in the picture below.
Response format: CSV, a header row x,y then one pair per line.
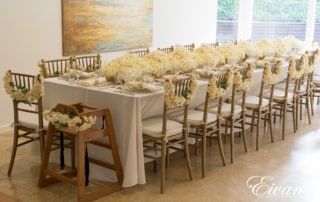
x,y
91,135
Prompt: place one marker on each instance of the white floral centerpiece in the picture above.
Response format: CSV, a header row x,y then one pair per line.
x,y
158,63
129,67
66,119
208,56
266,47
293,44
21,93
232,53
183,59
250,50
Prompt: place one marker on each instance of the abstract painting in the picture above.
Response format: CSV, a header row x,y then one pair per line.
x,y
97,26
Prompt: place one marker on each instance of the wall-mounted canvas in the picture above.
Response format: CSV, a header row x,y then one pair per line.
x,y
97,26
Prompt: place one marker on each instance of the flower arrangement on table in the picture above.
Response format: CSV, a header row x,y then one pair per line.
x,y
232,53
183,59
66,119
243,83
214,90
250,50
270,77
266,47
21,93
292,44
129,67
158,63
172,100
208,56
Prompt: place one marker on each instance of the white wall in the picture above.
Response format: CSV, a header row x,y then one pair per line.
x,y
32,29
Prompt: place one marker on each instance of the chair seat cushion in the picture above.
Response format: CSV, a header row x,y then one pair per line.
x,y
153,127
34,125
195,117
316,82
278,95
253,101
226,109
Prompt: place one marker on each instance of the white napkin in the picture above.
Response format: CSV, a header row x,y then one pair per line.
x,y
201,71
85,74
138,85
92,81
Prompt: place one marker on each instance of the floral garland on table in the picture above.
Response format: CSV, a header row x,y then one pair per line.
x,y
172,100
21,93
243,84
215,91
66,119
268,76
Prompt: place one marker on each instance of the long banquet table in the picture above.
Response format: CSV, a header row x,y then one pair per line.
x,y
128,111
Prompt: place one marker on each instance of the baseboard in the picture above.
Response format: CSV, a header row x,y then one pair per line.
x,y
5,127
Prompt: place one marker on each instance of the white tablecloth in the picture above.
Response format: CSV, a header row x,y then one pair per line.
x,y
127,113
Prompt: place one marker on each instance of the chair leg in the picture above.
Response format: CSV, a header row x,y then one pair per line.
x,y
163,166
187,155
308,109
14,150
244,135
284,114
270,124
232,140
220,144
258,130
203,155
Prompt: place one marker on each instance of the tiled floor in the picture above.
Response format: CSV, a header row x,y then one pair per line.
x,y
281,171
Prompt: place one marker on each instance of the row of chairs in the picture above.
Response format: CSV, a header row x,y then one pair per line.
x,y
220,116
57,67
142,52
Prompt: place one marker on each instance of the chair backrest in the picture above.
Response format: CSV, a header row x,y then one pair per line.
x,y
26,92
243,79
88,63
189,47
140,53
271,76
218,86
54,68
176,97
167,50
